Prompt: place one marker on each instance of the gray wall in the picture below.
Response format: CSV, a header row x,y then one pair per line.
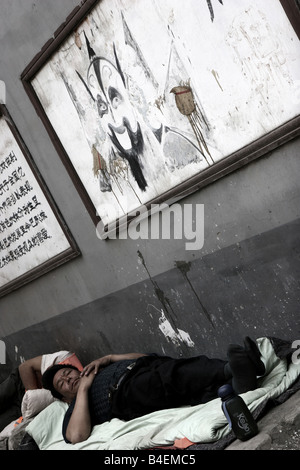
x,y
122,295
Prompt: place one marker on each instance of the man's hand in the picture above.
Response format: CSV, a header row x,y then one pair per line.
x,y
96,365
104,361
86,382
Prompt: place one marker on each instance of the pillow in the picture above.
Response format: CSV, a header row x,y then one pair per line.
x,y
46,428
73,361
34,401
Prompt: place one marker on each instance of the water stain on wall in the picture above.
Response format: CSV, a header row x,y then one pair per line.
x,y
184,268
159,293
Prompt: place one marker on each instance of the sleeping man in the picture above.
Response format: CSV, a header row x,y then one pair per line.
x,y
28,376
127,386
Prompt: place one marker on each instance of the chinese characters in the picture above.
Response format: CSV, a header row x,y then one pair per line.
x,y
21,213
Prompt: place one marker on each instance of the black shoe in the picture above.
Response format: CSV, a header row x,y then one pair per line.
x,y
242,368
254,354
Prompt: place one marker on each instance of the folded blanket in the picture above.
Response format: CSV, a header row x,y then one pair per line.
x,y
198,424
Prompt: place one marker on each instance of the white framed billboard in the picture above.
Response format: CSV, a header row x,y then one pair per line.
x,y
34,238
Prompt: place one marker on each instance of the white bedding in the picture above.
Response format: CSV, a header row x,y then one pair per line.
x,y
202,423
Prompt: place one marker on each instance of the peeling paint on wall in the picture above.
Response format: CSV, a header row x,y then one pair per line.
x,y
19,358
166,323
171,335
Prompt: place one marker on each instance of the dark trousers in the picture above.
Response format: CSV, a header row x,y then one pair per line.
x,y
157,383
11,395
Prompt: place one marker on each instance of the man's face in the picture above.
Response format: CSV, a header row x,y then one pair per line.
x,y
114,107
66,382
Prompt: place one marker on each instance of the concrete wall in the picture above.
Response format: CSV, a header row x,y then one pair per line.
x,y
124,295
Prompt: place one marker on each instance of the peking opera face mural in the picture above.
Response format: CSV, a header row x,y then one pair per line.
x,y
128,134
146,98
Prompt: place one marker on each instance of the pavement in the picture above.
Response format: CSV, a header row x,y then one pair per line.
x,y
279,429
